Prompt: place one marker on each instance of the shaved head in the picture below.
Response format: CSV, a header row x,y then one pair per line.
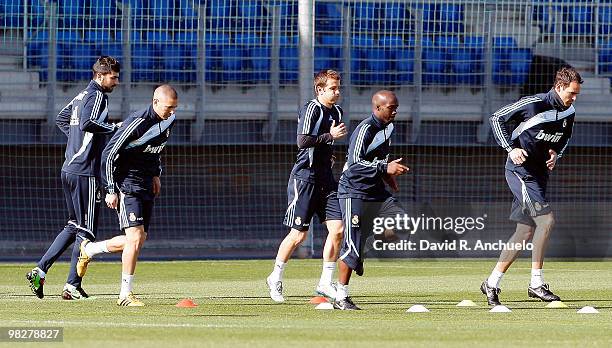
x,y
384,106
165,91
165,101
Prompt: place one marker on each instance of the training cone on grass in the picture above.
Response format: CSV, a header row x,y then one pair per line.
x,y
467,303
500,309
417,309
556,304
186,303
318,299
324,305
588,310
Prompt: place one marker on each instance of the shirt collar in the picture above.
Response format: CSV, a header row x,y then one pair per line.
x,y
93,84
555,100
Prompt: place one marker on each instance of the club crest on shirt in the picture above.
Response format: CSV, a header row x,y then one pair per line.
x,y
564,123
298,220
355,220
132,217
168,131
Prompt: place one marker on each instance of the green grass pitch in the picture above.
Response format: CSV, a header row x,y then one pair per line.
x,y
234,309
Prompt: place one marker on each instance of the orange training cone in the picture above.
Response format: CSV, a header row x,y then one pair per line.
x,y
318,299
186,303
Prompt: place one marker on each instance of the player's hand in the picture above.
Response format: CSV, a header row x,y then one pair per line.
x,y
552,160
338,131
518,156
156,186
396,168
111,200
390,180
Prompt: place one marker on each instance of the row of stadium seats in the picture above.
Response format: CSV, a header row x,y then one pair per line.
x,y
246,57
226,13
577,16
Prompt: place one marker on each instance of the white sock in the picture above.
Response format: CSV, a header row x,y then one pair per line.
x,y
327,273
41,273
279,269
93,249
537,278
69,287
495,278
127,281
341,292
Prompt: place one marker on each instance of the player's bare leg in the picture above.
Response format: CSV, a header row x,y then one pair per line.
x,y
490,287
331,249
135,238
275,280
537,287
90,249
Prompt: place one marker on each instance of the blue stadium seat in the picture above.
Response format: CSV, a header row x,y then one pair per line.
x,y
449,45
144,62
502,47
434,62
103,13
12,14
220,13
161,14
38,49
451,18
251,13
328,53
289,63
68,44
365,17
580,19
71,14
36,13
214,44
468,61
520,61
187,48
139,14
605,56
261,63
360,46
103,44
188,15
288,13
248,42
328,17
395,15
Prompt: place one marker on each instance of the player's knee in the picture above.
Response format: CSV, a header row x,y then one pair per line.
x,y
297,237
546,221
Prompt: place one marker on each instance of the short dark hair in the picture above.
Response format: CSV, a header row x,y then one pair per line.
x,y
566,75
320,78
106,64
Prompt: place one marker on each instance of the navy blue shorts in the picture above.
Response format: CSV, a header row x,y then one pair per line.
x,y
529,197
358,216
134,211
82,196
306,199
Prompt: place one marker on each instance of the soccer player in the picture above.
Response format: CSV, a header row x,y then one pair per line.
x,y
131,164
361,190
84,121
535,132
312,188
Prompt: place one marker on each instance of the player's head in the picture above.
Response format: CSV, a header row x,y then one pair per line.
x,y
106,73
384,106
327,86
567,84
165,101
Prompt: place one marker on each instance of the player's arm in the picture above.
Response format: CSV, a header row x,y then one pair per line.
x,y
62,120
502,133
360,141
90,115
118,142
